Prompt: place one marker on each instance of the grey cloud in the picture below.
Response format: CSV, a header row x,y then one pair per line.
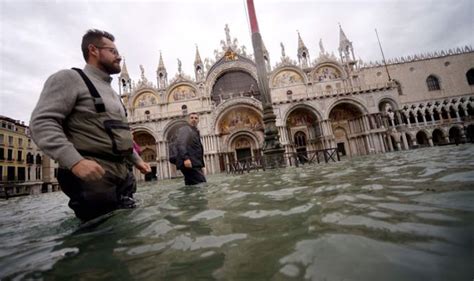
x,y
40,37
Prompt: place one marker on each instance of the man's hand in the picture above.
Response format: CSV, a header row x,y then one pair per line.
x,y
88,170
187,163
143,167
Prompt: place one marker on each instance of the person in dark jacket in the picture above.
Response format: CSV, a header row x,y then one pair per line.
x,y
190,160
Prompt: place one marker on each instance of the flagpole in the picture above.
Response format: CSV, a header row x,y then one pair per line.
x,y
383,56
272,148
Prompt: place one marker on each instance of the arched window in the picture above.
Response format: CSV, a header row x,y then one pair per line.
x,y
433,83
300,139
470,76
30,159
38,159
234,84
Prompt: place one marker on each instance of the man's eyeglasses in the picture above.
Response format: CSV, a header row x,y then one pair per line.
x,y
112,50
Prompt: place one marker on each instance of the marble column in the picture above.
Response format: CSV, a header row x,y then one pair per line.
x,y
390,144
405,142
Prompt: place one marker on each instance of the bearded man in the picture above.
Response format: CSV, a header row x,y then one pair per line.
x,y
80,122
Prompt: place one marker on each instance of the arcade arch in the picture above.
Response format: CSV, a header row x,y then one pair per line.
x,y
303,128
455,135
347,118
236,83
422,139
438,137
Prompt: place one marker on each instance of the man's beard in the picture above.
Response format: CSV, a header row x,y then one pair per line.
x,y
110,67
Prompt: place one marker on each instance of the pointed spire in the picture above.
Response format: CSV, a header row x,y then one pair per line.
x,y
161,65
301,45
124,80
161,74
303,54
198,66
342,37
346,51
321,47
124,72
197,60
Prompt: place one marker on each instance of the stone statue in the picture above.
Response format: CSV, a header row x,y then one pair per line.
x,y
244,50
144,80
142,71
321,47
179,66
227,34
282,50
207,64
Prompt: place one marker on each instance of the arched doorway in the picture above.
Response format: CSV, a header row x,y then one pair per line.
x,y
242,145
455,135
149,155
422,139
470,133
438,137
303,121
348,117
237,126
300,145
147,144
341,141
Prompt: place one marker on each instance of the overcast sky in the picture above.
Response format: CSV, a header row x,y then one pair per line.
x,y
38,38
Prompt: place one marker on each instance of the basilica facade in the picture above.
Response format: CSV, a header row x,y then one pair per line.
x,y
326,102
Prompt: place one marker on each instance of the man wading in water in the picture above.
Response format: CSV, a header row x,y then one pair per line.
x,y
81,122
190,153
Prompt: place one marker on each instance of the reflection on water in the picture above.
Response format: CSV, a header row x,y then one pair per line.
x,y
397,216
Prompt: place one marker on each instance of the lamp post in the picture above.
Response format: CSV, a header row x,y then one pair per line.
x,y
272,148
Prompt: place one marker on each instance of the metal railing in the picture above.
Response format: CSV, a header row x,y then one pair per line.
x,y
291,158
245,165
313,156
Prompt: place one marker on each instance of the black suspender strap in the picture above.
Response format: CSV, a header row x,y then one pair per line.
x,y
98,103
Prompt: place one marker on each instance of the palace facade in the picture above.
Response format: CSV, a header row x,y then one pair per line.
x,y
326,102
24,169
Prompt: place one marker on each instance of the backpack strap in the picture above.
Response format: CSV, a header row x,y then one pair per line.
x,y
98,103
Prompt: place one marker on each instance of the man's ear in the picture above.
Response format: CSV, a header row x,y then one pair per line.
x,y
93,50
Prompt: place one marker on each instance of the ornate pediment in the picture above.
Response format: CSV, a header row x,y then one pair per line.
x,y
287,77
182,92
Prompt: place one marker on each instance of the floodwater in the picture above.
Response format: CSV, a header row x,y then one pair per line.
x,y
397,216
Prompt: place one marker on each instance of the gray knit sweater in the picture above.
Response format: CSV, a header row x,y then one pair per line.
x,y
65,92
